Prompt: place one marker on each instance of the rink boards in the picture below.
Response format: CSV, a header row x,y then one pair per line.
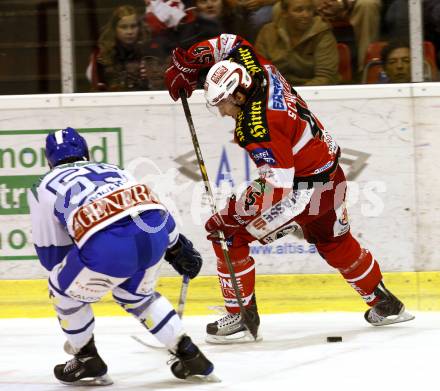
x,y
389,141
275,294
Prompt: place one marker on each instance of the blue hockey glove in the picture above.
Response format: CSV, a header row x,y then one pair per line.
x,y
184,258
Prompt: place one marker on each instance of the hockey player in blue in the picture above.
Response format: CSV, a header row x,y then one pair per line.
x,y
95,229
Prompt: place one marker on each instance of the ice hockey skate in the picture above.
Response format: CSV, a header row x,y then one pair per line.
x,y
230,329
86,368
189,363
388,310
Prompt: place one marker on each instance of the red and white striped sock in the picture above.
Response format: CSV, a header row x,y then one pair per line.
x,y
363,275
245,274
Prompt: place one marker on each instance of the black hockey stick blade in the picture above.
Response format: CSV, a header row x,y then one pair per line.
x,y
250,324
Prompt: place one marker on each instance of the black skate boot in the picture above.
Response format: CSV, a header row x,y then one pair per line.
x,y
230,329
86,368
388,310
190,363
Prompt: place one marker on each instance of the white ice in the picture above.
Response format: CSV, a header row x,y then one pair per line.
x,y
294,355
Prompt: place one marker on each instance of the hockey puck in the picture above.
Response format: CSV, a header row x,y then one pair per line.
x,y
334,339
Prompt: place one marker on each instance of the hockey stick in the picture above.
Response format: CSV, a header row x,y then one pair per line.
x,y
182,296
147,344
247,321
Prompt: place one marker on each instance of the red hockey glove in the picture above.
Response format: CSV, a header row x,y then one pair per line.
x,y
218,222
182,74
240,212
230,219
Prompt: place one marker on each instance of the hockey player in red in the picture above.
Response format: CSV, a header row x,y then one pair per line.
x,y
300,184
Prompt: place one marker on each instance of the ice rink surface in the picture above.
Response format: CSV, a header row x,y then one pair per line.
x,y
294,355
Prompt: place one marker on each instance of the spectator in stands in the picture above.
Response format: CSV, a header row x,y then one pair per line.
x,y
300,44
210,9
395,20
363,15
155,69
217,12
207,19
161,15
120,63
252,14
396,60
396,23
431,22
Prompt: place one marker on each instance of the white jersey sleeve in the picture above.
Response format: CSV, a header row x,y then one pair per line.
x,y
46,229
50,238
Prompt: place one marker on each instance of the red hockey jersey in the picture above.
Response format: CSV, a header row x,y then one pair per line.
x,y
285,140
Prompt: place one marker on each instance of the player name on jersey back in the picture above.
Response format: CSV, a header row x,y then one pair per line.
x,y
94,214
85,197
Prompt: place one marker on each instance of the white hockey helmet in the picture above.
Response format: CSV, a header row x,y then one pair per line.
x,y
223,79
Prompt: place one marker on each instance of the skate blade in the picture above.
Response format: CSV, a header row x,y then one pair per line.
x,y
402,317
104,380
211,378
240,337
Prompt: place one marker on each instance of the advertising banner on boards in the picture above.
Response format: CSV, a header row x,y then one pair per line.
x,y
154,143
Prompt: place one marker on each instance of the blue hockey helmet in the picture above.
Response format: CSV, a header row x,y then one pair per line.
x,y
65,144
